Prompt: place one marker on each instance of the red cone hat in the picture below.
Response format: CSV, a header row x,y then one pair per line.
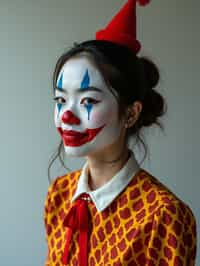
x,y
122,28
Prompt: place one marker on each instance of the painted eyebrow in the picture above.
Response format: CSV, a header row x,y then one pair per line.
x,y
81,89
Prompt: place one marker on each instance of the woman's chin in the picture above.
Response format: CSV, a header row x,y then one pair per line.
x,y
76,151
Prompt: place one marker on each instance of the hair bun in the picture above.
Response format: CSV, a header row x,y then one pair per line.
x,y
153,107
151,72
153,101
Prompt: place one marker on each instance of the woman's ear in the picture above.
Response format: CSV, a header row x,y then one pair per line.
x,y
133,113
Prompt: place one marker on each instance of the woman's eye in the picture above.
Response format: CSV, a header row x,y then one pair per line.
x,y
59,100
89,101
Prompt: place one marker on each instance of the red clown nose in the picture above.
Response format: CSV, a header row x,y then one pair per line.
x,y
122,28
70,118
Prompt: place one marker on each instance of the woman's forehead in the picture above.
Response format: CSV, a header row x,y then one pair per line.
x,y
80,72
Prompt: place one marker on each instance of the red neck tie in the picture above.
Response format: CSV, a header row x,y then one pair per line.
x,y
77,219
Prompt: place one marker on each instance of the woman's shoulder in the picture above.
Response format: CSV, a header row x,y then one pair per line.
x,y
166,219
156,196
62,188
66,180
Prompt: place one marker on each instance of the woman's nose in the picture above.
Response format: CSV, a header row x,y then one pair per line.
x,y
69,118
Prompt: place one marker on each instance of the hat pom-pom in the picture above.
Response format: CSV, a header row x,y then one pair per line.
x,y
143,2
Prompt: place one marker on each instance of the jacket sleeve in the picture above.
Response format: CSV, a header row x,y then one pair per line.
x,y
172,240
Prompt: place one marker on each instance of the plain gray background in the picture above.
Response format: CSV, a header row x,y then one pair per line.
x,y
33,34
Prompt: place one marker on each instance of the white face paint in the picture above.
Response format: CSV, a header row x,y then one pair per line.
x,y
92,113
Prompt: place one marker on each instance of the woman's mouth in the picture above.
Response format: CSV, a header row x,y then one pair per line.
x,y
74,138
72,133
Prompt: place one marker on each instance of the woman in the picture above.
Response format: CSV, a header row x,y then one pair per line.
x,y
112,211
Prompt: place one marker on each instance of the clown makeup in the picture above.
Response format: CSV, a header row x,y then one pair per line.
x,y
86,111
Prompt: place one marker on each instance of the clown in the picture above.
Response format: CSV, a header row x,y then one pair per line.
x,y
83,114
112,211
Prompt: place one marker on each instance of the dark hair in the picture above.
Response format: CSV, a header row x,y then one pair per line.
x,y
134,78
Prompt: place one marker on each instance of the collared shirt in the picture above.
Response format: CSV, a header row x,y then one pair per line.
x,y
146,222
103,196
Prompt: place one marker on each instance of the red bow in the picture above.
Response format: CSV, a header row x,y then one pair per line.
x,y
77,219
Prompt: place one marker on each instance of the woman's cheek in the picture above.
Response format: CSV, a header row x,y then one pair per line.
x,y
56,118
103,116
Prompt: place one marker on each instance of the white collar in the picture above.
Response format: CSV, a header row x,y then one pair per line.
x,y
103,196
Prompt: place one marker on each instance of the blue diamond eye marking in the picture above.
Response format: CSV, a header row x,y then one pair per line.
x,y
59,106
89,109
60,82
59,86
86,80
84,85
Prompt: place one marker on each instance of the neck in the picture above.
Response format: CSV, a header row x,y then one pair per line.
x,y
101,171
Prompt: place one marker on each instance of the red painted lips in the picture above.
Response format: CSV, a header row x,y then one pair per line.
x,y
74,138
73,133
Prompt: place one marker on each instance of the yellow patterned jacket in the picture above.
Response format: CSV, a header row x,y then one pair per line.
x,y
134,220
